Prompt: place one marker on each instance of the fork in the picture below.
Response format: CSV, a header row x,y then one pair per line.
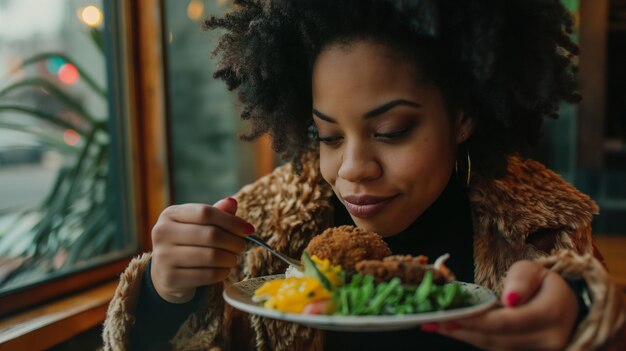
x,y
289,260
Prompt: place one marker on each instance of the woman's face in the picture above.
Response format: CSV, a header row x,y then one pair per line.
x,y
387,144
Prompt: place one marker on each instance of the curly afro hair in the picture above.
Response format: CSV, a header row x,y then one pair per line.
x,y
505,64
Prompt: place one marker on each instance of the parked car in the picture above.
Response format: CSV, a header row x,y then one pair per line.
x,y
19,148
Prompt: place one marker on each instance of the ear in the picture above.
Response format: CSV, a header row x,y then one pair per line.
x,y
464,127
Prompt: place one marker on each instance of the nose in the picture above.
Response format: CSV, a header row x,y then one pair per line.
x,y
358,164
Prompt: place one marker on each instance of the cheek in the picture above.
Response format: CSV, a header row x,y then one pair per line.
x,y
426,156
412,168
439,148
423,168
329,165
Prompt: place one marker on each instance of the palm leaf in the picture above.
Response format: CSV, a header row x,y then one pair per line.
x,y
97,38
56,188
63,97
75,214
12,236
83,73
41,135
74,176
58,206
91,234
42,115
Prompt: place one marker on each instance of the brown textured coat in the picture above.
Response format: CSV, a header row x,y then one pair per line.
x,y
527,214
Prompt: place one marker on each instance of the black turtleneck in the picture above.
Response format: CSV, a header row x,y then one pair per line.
x,y
445,227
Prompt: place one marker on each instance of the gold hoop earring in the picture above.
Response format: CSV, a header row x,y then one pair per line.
x,y
468,174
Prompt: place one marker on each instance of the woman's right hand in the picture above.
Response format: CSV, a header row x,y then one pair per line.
x,y
195,245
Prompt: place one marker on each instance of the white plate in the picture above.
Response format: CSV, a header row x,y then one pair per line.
x,y
239,295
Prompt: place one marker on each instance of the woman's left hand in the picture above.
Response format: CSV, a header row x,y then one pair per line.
x,y
539,313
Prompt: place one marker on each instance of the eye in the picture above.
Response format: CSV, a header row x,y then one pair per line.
x,y
393,134
332,140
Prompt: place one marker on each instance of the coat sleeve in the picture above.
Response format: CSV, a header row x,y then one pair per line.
x,y
120,314
271,205
202,328
604,326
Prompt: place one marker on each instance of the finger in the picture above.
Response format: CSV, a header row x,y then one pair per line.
x,y
206,214
198,235
196,257
552,305
228,205
521,283
557,302
188,278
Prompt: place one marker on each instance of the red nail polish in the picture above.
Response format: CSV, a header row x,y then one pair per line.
x,y
248,228
232,199
430,327
451,326
512,299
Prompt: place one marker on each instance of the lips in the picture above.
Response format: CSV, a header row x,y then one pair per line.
x,y
366,206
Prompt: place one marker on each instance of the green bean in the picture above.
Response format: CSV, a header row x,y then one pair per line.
x,y
361,296
368,287
354,297
424,288
345,307
377,302
396,296
424,306
356,280
447,297
361,301
380,287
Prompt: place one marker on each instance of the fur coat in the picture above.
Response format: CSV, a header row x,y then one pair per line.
x,y
531,213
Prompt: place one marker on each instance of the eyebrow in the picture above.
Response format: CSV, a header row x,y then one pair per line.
x,y
373,113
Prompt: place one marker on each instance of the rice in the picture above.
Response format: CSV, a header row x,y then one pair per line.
x,y
293,272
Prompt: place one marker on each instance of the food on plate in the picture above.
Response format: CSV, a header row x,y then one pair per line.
x,y
374,282
409,269
362,296
295,293
291,294
346,245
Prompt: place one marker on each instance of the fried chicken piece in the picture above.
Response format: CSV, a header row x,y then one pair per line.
x,y
346,245
409,269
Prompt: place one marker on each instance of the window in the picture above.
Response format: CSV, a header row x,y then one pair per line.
x,y
64,177
586,144
135,175
207,160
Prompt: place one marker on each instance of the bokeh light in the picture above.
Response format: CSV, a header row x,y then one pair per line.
x,y
195,9
71,137
68,74
91,16
54,64
14,64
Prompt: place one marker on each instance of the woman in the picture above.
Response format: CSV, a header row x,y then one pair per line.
x,y
404,118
